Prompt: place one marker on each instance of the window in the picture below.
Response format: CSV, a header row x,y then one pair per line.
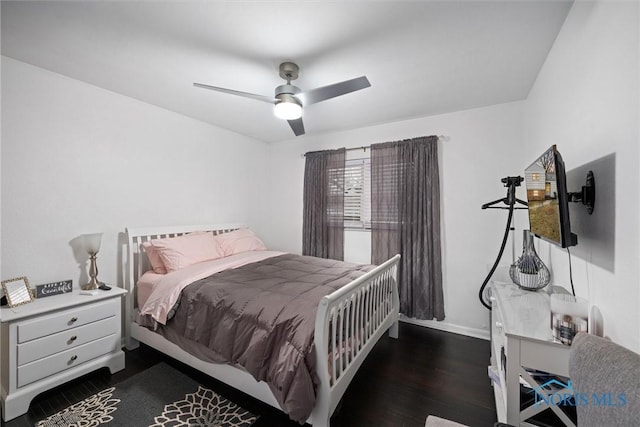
x,y
357,194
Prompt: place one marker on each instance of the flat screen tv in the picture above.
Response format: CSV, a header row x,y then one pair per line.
x,y
548,199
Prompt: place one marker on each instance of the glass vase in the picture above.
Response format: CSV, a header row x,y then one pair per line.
x,y
529,272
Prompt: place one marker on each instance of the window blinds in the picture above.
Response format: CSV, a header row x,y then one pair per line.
x,y
357,194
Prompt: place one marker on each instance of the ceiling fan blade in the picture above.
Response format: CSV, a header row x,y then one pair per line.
x,y
263,98
331,91
297,126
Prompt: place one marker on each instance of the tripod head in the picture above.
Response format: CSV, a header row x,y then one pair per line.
x,y
512,181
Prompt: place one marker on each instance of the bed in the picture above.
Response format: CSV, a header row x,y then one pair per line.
x,y
348,321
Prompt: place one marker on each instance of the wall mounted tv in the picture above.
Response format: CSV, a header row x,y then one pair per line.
x,y
548,199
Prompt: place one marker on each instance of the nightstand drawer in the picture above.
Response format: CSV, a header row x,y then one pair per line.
x,y
68,359
67,319
55,343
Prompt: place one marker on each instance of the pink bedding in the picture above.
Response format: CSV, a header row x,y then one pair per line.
x,y
146,283
161,293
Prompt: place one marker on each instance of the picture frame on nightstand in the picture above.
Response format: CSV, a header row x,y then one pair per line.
x,y
17,291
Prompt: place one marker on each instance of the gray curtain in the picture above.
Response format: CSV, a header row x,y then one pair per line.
x,y
323,204
405,219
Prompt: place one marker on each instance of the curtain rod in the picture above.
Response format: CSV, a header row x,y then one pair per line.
x,y
367,147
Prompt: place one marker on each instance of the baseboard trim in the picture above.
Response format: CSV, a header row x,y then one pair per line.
x,y
448,327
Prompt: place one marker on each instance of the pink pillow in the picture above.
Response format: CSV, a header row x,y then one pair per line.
x,y
242,240
183,251
154,258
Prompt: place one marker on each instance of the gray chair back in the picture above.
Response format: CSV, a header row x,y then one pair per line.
x,y
606,382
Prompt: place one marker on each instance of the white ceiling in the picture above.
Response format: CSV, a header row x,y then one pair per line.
x,y
421,57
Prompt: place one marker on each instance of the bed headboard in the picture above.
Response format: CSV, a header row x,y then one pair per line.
x,y
137,262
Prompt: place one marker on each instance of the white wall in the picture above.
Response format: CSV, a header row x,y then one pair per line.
x,y
78,159
585,100
483,146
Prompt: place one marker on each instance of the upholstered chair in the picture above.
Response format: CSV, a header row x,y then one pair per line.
x,y
606,382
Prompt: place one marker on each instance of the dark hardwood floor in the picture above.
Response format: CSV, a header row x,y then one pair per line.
x,y
402,381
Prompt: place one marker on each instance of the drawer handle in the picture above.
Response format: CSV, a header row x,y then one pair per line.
x,y
73,319
72,339
73,358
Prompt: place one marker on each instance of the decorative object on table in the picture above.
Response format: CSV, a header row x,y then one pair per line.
x,y
569,315
54,288
159,396
529,272
17,291
91,243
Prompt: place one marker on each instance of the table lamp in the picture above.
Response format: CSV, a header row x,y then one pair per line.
x,y
91,244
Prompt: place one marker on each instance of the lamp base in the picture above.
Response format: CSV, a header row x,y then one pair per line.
x,y
93,284
93,274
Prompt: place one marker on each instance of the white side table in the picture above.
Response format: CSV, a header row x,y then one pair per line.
x,y
521,340
52,340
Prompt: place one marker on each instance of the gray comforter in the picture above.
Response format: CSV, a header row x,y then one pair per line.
x,y
262,316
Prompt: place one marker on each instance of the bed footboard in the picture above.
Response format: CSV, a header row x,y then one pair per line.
x,y
349,322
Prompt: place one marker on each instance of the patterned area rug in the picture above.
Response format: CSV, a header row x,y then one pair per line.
x,y
158,397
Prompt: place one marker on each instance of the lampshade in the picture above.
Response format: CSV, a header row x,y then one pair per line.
x,y
288,107
92,242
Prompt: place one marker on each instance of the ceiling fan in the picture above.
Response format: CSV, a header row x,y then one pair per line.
x,y
289,99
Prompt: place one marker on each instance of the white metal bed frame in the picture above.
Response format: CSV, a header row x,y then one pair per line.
x,y
362,311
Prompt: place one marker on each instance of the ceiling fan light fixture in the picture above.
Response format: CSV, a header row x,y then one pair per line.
x,y
288,99
287,107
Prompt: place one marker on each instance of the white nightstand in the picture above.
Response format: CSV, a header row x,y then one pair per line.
x,y
52,340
